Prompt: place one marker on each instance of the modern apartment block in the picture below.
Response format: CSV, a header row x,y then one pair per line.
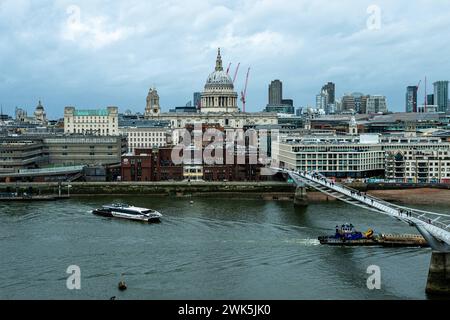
x,y
363,156
419,166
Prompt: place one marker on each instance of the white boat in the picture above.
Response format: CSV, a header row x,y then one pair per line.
x,y
125,211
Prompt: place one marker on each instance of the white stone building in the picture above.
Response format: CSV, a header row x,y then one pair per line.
x,y
101,122
146,136
405,159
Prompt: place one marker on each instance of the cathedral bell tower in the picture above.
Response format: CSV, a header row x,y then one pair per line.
x,y
152,109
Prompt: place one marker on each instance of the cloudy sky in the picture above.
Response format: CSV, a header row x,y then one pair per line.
x,y
96,53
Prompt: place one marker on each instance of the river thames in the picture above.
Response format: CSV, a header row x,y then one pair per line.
x,y
210,249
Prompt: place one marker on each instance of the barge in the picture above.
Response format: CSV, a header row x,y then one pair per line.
x,y
346,235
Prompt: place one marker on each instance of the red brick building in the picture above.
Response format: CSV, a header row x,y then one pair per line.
x,y
157,165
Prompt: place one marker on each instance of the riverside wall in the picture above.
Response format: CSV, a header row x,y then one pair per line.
x,y
253,190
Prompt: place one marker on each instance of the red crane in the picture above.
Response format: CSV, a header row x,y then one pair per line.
x,y
418,86
228,69
244,93
236,72
426,98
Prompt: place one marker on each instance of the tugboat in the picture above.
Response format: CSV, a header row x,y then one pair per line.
x,y
346,235
125,211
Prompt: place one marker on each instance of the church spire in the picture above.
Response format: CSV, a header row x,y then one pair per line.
x,y
219,62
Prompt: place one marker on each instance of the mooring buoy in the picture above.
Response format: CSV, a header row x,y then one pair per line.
x,y
122,286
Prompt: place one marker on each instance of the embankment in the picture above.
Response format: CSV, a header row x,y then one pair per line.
x,y
243,190
239,190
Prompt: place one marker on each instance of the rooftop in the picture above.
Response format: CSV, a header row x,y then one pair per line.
x,y
91,113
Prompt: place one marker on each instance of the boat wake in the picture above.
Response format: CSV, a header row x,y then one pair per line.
x,y
303,242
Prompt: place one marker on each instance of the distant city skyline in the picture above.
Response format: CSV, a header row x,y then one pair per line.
x,y
96,54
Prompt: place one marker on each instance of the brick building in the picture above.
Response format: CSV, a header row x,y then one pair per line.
x,y
157,165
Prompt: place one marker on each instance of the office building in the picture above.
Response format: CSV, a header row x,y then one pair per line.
x,y
287,109
441,95
145,134
411,99
197,100
348,103
287,102
18,153
367,155
376,104
276,102
100,122
275,92
85,150
322,101
330,89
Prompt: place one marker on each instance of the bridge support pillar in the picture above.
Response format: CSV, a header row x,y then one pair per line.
x,y
301,198
439,274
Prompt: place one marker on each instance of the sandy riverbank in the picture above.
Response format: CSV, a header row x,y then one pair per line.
x,y
422,196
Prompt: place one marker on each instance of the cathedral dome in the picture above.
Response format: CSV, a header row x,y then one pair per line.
x,y
219,94
219,77
40,107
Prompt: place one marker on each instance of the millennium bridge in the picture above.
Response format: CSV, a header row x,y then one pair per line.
x,y
434,227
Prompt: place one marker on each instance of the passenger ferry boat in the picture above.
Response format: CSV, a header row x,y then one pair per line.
x,y
125,211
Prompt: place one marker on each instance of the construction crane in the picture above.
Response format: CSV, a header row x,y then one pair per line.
x,y
244,93
228,69
418,87
426,98
236,72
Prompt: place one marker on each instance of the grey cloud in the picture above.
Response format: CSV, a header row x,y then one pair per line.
x,y
121,48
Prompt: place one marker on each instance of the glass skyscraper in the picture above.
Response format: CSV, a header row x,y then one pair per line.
x,y
411,99
441,95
